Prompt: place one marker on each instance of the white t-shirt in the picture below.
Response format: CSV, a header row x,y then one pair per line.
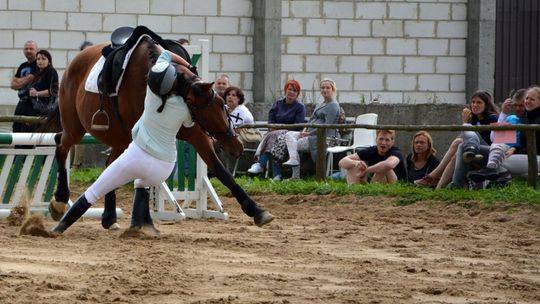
x,y
241,115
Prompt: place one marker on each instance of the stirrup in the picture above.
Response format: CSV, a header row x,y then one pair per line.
x,y
103,121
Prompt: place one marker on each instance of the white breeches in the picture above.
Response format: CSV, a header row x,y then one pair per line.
x,y
133,165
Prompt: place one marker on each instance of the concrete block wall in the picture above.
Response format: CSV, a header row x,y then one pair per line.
x,y
61,26
400,51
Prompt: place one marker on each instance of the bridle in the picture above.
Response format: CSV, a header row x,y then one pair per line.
x,y
189,87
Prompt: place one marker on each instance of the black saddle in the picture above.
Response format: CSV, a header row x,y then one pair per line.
x,y
123,39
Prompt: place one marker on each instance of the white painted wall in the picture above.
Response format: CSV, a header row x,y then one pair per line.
x,y
390,51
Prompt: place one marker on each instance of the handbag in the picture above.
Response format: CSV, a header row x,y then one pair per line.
x,y
249,135
43,106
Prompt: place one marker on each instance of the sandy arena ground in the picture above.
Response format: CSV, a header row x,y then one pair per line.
x,y
320,249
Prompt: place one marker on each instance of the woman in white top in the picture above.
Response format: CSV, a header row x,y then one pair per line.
x,y
238,112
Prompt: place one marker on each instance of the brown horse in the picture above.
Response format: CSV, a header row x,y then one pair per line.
x,y
77,106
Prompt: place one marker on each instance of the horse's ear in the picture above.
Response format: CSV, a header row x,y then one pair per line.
x,y
207,86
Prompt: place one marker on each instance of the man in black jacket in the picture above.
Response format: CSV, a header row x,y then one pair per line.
x,y
21,82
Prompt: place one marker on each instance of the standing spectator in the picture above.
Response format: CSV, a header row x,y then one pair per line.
x,y
222,83
288,110
422,160
383,162
44,88
326,112
21,82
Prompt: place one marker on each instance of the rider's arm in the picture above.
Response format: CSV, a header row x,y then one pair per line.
x,y
175,58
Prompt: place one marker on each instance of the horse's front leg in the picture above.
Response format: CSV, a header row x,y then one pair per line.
x,y
202,144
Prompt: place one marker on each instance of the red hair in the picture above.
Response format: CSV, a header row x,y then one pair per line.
x,y
295,84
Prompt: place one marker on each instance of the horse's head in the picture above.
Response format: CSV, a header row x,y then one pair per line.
x,y
208,110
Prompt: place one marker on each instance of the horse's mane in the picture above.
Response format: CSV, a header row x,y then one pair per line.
x,y
186,82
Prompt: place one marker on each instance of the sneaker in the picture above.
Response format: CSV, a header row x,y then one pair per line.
x,y
491,174
427,181
256,168
277,178
292,162
478,185
504,180
472,157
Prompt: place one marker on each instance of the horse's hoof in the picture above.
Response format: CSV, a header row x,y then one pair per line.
x,y
57,210
140,232
108,223
263,218
151,230
114,226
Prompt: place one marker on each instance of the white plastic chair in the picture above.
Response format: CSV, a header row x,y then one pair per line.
x,y
361,138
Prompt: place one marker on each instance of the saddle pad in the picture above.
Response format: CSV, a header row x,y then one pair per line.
x,y
91,84
92,80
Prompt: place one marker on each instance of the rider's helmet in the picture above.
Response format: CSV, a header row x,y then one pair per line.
x,y
161,78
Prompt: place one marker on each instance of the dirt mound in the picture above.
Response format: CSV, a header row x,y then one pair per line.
x,y
34,226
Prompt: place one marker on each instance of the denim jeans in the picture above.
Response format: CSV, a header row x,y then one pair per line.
x,y
276,167
473,140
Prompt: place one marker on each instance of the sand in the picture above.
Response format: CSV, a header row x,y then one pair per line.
x,y
320,249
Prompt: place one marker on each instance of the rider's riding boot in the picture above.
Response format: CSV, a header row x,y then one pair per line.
x,y
108,218
140,215
73,214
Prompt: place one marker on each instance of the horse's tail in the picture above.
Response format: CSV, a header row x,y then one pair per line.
x,y
52,123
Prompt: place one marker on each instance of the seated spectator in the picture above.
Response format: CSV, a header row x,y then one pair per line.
x,y
422,160
475,147
382,163
517,163
499,151
326,112
239,115
482,111
288,110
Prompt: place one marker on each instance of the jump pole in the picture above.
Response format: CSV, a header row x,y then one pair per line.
x,y
36,161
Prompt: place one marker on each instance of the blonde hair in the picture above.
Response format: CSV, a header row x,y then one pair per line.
x,y
431,150
331,82
535,88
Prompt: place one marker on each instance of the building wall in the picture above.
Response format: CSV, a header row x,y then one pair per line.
x,y
377,51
